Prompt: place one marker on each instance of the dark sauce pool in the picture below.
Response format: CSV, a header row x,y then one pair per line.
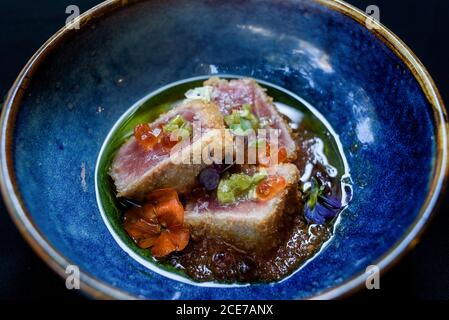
x,y
320,159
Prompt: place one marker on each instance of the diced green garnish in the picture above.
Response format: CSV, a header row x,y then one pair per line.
x,y
241,129
233,186
233,118
225,197
180,125
241,122
237,186
247,114
187,127
174,124
259,176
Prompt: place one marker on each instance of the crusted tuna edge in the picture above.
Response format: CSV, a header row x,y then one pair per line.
x,y
209,109
250,231
172,172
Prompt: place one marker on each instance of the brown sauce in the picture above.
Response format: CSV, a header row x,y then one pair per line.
x,y
211,259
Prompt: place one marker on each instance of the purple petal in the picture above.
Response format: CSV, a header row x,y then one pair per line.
x,y
313,216
332,201
325,212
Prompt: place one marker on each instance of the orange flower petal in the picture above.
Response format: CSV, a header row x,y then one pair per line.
x,y
170,213
140,222
147,242
141,228
148,228
179,237
148,213
133,232
144,224
163,246
145,212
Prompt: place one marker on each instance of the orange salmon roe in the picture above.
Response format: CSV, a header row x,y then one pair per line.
x,y
266,161
270,187
166,141
144,136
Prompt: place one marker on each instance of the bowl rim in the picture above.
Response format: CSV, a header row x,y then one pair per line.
x,y
97,288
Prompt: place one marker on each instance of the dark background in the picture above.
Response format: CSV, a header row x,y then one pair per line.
x,y
423,25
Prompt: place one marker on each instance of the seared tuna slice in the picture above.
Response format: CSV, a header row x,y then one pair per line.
x,y
234,94
248,224
137,171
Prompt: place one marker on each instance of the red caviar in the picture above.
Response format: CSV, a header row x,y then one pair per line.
x,y
144,136
166,140
148,140
270,187
265,159
282,155
159,223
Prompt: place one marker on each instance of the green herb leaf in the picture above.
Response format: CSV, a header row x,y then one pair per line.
x,y
313,193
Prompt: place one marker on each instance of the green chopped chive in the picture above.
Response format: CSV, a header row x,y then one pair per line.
x,y
243,128
237,186
233,118
313,193
241,122
250,116
180,125
259,176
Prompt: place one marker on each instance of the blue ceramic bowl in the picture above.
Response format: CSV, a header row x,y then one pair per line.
x,y
370,87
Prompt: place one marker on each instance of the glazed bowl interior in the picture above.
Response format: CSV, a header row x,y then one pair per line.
x,y
390,129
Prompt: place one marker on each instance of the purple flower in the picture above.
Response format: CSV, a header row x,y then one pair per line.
x,y
319,207
319,213
313,216
331,201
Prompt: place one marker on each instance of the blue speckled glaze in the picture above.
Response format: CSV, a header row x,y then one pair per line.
x,y
367,94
